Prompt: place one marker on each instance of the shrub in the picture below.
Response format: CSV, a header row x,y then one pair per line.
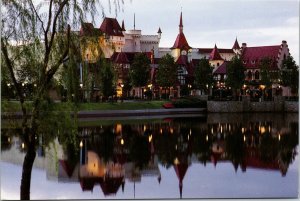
x,y
189,102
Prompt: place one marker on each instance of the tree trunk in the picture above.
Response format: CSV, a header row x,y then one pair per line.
x,y
27,168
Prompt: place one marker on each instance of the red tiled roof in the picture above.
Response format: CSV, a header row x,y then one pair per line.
x,y
222,69
209,50
236,45
181,42
129,55
215,55
110,186
121,58
111,27
87,29
182,60
252,55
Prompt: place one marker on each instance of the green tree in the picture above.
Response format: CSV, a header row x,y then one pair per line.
x,y
264,66
235,74
38,35
107,79
203,75
139,71
289,74
167,72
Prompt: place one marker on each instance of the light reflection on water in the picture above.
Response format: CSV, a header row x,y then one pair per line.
x,y
221,156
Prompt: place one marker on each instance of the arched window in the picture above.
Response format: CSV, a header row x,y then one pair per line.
x,y
256,75
249,75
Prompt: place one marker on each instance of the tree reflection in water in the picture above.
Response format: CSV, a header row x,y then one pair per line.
x,y
109,155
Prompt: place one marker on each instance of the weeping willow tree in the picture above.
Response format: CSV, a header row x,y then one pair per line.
x,y
35,43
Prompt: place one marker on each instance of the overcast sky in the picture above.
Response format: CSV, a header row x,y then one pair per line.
x,y
206,22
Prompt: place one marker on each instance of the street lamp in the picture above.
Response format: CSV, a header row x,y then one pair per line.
x,y
189,86
122,85
150,87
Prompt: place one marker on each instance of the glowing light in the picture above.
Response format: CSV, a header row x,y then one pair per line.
x,y
171,130
81,144
150,138
212,130
122,141
190,131
145,128
176,161
279,137
23,145
188,137
160,131
262,129
8,139
243,130
206,137
244,138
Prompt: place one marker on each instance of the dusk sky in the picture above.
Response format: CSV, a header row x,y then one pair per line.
x,y
206,22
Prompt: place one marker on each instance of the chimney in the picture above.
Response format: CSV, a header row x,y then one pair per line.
x,y
244,45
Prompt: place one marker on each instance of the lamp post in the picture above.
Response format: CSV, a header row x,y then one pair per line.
x,y
122,85
189,86
150,87
81,91
207,89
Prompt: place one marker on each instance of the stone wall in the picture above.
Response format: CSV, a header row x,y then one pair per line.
x,y
224,106
278,105
291,106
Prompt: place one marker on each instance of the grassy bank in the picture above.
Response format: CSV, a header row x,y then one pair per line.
x,y
14,106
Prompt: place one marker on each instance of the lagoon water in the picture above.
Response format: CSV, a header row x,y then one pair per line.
x,y
213,156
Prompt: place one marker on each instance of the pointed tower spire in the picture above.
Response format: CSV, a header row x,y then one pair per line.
x,y
134,21
215,55
236,45
180,23
123,26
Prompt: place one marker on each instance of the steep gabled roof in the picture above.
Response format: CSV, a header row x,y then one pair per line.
x,y
215,55
182,60
87,29
222,69
251,56
236,45
181,42
111,27
121,58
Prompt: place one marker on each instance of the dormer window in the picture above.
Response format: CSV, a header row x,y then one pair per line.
x,y
244,62
253,61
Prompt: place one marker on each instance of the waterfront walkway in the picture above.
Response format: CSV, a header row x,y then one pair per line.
x,y
123,113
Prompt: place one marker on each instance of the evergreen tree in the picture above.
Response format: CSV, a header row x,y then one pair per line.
x,y
264,66
289,74
203,75
235,74
167,72
107,79
139,70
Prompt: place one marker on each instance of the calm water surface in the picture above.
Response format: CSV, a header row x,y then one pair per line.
x,y
216,156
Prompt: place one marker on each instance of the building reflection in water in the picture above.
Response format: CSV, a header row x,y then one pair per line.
x,y
111,155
